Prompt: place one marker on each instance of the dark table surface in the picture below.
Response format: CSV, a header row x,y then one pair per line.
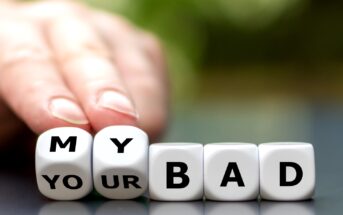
x,y
320,124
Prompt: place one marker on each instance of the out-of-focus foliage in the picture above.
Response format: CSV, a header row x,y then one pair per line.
x,y
177,24
200,32
246,14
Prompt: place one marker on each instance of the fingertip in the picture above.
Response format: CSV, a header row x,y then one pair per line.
x,y
68,111
50,122
59,112
103,117
117,102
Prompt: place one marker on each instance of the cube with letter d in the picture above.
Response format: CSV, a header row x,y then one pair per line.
x,y
287,171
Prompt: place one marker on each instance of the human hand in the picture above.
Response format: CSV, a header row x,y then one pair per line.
x,y
63,64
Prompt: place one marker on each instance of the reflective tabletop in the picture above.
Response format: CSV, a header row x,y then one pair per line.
x,y
320,124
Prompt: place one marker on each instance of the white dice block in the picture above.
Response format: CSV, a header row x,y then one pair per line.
x,y
176,171
231,171
287,171
120,162
63,163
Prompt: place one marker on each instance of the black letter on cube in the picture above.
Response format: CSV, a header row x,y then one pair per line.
x,y
52,182
120,145
171,175
298,172
105,182
127,180
57,140
232,167
130,179
65,180
67,184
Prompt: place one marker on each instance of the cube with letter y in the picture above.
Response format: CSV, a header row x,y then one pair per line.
x,y
120,162
287,171
63,163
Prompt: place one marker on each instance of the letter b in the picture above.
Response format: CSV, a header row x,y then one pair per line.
x,y
172,174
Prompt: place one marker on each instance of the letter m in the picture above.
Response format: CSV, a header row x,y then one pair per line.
x,y
71,141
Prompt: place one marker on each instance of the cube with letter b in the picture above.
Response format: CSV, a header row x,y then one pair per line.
x,y
176,171
287,171
120,162
63,163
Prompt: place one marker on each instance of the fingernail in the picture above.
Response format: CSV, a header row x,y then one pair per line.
x,y
117,102
68,111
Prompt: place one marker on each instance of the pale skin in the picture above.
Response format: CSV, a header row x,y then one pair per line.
x,y
65,64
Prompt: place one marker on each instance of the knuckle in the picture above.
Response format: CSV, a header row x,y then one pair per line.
x,y
22,54
153,44
36,86
63,5
154,50
90,54
51,10
116,23
121,22
21,41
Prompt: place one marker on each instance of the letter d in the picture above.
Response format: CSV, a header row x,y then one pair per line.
x,y
283,178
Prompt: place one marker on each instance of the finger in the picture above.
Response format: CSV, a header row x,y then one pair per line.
x,y
30,83
142,67
89,72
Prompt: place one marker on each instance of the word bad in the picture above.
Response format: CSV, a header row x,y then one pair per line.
x,y
120,164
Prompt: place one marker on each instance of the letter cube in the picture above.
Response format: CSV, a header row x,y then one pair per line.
x,y
120,162
176,171
63,163
231,171
287,171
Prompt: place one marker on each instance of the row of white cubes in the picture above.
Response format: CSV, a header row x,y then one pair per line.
x,y
121,165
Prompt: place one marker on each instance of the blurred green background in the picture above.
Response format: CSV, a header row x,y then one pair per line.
x,y
244,44
244,70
